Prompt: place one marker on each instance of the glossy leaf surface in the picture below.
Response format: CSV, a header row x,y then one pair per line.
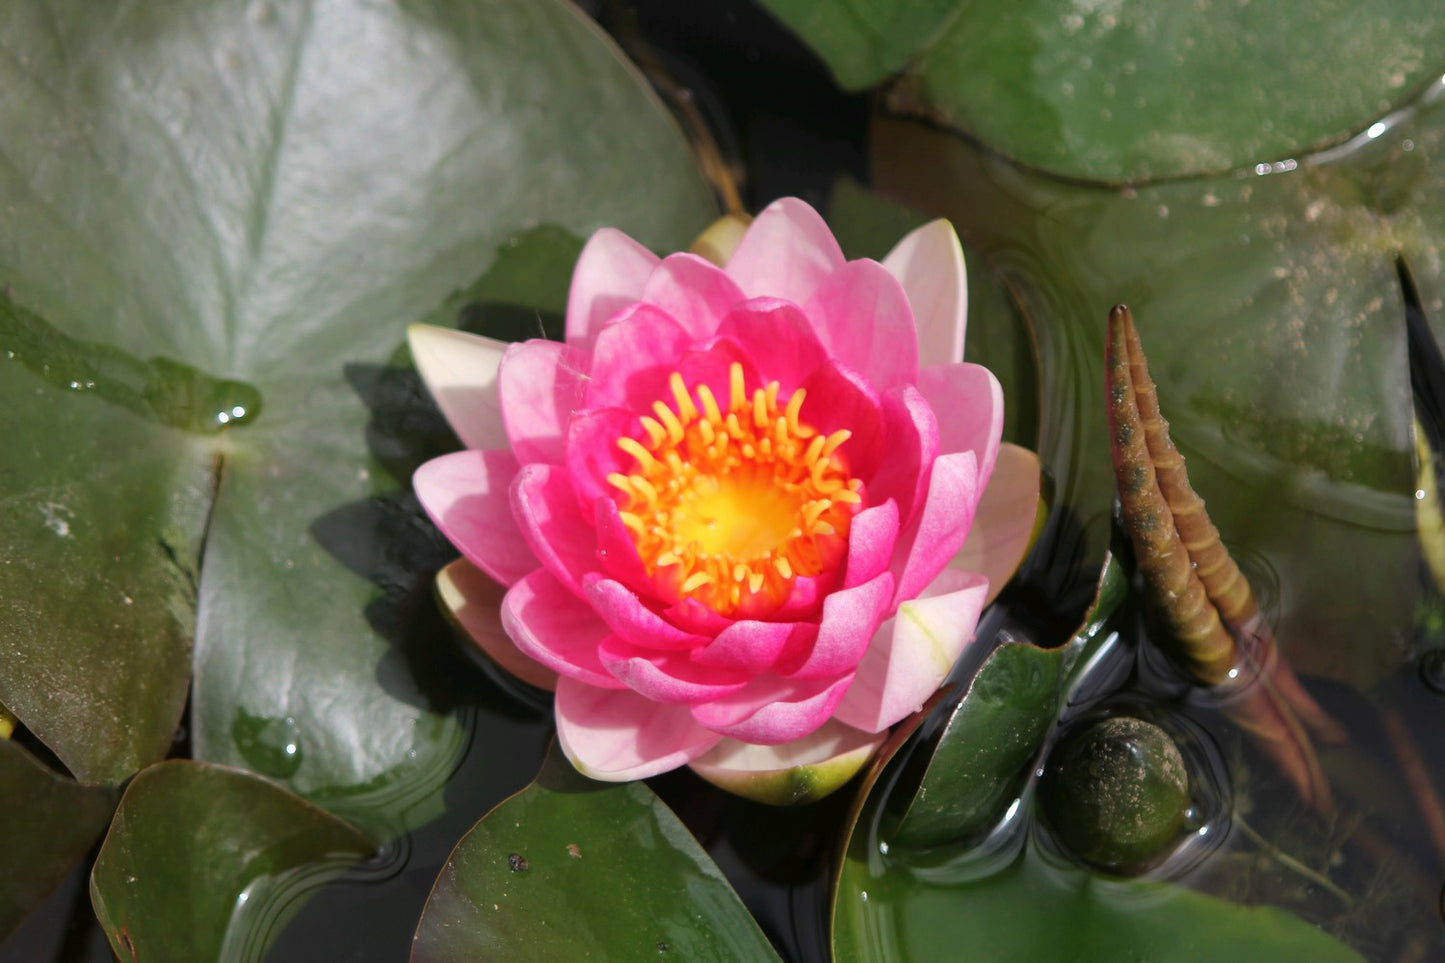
x,y
571,869
1030,909
999,725
1133,92
204,862
1274,317
219,219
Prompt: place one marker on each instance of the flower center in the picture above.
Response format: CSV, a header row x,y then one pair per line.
x,y
732,505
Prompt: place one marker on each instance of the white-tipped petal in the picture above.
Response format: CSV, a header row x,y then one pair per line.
x,y
1006,521
801,771
460,371
473,601
928,262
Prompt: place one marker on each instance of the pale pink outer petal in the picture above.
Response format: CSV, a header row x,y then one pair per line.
x,y
850,617
968,401
803,770
862,317
616,735
695,293
466,493
556,628
938,531
540,385
928,262
1004,524
474,602
786,253
610,274
770,711
460,371
547,512
913,652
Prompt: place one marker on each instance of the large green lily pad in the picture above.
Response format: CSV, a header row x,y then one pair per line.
x,y
1026,908
204,863
1133,92
219,217
572,869
1270,308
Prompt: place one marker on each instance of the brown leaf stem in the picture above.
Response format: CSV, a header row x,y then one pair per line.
x,y
1214,626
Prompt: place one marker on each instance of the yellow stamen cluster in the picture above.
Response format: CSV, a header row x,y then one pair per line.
x,y
729,504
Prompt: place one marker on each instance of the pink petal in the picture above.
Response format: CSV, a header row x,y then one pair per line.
x,y
711,365
911,428
839,398
668,676
610,274
592,453
632,621
692,616
969,402
779,338
548,514
460,371
871,539
466,494
632,359
928,262
474,602
786,253
770,710
863,319
555,627
850,618
617,735
804,770
937,533
807,595
696,294
540,385
616,552
756,646
1003,525
913,652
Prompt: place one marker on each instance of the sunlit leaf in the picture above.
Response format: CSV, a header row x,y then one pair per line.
x,y
204,863
219,219
571,869
1133,91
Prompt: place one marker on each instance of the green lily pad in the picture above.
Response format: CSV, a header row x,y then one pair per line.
x,y
50,823
997,728
1030,909
1133,92
1270,310
205,863
571,869
219,219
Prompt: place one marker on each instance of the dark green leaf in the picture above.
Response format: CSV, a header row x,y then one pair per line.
x,y
205,863
571,869
1030,909
214,205
1134,91
1271,312
50,822
998,728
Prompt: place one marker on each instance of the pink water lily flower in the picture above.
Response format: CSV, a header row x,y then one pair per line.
x,y
730,511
